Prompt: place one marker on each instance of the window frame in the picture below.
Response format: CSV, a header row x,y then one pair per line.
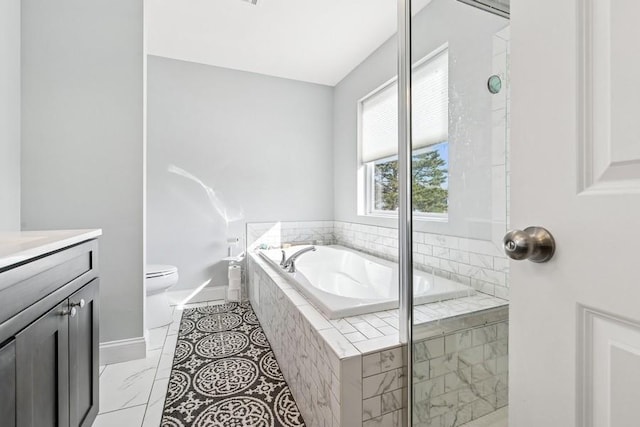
x,y
365,181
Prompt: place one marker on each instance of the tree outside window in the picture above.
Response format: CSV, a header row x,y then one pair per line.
x,y
430,181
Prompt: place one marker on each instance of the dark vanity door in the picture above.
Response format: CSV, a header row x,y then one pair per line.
x,y
42,367
8,384
83,356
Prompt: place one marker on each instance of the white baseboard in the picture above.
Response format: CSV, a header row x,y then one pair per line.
x,y
206,294
123,350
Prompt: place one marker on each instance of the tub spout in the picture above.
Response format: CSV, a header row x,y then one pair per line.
x,y
290,263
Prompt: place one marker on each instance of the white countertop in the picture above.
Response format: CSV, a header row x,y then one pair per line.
x,y
20,246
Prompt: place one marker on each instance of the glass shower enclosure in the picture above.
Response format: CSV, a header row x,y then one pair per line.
x,y
453,207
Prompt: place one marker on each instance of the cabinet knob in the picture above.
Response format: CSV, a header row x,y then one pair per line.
x,y
80,303
70,312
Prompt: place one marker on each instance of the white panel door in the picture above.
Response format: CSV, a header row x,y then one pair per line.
x,y
575,321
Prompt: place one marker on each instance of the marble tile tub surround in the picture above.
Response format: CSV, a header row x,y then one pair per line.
x,y
461,376
322,359
383,387
378,330
477,263
319,364
458,377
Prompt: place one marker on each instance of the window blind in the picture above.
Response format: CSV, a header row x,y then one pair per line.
x,y
430,102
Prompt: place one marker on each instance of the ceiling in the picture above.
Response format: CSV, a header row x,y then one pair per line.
x,y
317,41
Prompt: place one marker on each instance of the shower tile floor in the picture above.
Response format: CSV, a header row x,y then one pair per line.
x,y
132,394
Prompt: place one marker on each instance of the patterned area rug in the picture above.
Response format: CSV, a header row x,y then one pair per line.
x,y
225,374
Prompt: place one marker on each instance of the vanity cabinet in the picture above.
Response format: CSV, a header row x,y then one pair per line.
x,y
42,371
8,381
49,356
84,361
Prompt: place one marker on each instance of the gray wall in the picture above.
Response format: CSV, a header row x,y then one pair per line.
x,y
262,144
82,146
9,115
469,33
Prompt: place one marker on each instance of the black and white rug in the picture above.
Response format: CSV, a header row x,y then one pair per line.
x,y
225,374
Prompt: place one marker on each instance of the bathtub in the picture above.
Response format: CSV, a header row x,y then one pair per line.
x,y
342,282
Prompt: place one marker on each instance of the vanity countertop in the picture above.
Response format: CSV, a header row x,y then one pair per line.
x,y
20,246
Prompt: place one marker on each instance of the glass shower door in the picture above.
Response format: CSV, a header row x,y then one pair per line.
x,y
458,162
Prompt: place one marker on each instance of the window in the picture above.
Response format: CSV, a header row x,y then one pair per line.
x,y
379,142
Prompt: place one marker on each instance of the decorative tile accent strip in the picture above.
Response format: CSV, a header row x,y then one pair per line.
x,y
224,373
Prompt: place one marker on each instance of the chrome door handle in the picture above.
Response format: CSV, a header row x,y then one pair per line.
x,y
533,243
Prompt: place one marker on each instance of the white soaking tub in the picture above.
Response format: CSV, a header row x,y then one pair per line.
x,y
342,282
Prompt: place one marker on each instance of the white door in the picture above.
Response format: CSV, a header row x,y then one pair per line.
x,y
575,321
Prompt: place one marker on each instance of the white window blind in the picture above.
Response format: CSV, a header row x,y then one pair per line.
x,y
430,101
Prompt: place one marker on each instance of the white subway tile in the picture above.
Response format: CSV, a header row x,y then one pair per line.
x,y
391,359
371,408
424,249
501,264
388,330
355,337
314,317
479,260
381,383
375,344
392,401
343,326
371,364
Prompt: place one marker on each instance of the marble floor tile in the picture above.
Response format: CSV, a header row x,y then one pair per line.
x,y
129,417
195,305
153,416
156,337
127,384
166,358
174,327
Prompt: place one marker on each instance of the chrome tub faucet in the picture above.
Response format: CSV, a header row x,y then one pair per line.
x,y
290,263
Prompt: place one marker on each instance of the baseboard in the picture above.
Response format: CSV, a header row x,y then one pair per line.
x,y
123,350
206,294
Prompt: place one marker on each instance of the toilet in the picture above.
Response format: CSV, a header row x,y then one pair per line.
x,y
159,278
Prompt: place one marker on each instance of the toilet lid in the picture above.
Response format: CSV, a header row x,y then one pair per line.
x,y
156,270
